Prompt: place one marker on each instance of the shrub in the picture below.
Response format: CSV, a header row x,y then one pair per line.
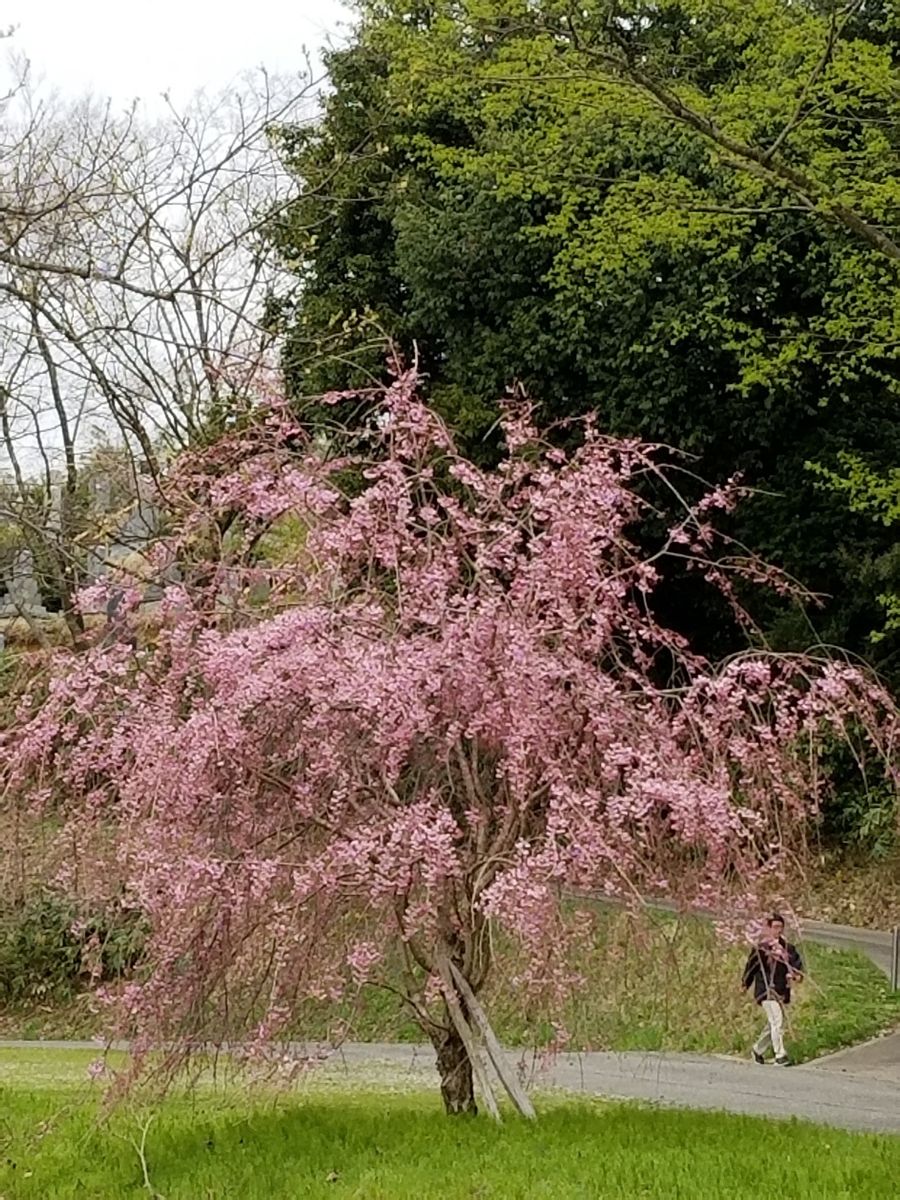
x,y
50,948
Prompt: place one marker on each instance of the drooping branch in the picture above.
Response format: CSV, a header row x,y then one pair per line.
x,y
438,714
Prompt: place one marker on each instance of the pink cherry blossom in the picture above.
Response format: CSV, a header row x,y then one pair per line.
x,y
449,707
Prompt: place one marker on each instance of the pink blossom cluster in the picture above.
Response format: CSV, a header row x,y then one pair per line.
x,y
455,712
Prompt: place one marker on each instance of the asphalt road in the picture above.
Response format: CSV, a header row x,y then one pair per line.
x,y
856,1089
874,943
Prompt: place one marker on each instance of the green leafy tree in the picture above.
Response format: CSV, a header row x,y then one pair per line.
x,y
680,216
878,496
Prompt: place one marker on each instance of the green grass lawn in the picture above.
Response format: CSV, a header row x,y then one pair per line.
x,y
652,982
325,1142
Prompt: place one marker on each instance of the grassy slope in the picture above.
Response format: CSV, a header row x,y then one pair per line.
x,y
653,983
853,889
369,1146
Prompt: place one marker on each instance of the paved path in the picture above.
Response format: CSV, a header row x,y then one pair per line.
x,y
696,1081
875,944
878,1059
863,1098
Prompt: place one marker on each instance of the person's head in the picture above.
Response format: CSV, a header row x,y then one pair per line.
x,y
775,925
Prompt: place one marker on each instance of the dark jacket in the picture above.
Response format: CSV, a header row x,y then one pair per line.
x,y
769,970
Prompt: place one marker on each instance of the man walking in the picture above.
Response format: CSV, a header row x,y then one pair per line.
x,y
772,967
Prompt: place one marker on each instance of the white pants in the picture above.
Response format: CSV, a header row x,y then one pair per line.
x,y
772,1037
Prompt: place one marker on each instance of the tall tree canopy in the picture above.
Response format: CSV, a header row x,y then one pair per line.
x,y
682,216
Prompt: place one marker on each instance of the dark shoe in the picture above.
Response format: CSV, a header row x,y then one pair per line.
x,y
758,1058
784,1061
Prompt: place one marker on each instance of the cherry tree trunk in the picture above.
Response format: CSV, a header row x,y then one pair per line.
x,y
455,1070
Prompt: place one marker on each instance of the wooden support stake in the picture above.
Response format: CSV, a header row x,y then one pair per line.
x,y
507,1076
479,1067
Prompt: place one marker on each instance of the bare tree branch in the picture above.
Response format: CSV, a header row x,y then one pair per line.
x,y
133,280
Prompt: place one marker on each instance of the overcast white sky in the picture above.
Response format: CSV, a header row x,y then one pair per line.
x,y
135,51
129,51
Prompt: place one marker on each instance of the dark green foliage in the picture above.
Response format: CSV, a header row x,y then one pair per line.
x,y
493,197
866,820
859,815
48,947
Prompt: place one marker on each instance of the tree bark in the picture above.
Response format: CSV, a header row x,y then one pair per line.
x,y
455,1070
